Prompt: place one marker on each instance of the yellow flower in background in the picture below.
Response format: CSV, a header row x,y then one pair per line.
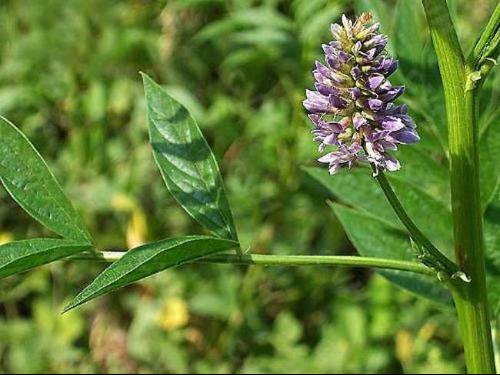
x,y
122,202
137,227
173,314
5,237
404,347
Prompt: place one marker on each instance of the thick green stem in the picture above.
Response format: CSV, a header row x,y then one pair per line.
x,y
284,260
470,298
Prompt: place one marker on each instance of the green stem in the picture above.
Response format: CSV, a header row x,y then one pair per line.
x,y
470,298
413,230
488,43
284,260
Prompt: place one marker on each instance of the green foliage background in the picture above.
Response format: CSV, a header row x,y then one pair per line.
x,y
69,78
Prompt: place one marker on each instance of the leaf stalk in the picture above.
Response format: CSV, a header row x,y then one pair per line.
x,y
283,260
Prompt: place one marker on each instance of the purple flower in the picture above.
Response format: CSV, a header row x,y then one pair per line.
x,y
352,107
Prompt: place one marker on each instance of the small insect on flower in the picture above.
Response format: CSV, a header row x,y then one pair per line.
x,y
352,107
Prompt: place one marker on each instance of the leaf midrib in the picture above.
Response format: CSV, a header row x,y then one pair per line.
x,y
227,224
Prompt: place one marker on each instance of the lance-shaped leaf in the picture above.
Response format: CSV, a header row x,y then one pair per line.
x,y
23,255
29,181
150,259
186,162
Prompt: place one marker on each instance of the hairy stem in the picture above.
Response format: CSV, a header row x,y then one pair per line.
x,y
470,298
283,260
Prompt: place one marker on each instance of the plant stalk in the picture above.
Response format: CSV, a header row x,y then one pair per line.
x,y
450,267
470,298
283,260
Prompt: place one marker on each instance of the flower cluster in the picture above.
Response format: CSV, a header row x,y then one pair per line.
x,y
352,108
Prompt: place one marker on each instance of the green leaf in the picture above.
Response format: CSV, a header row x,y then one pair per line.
x,y
374,237
186,162
357,188
489,144
407,39
23,255
29,181
489,170
492,245
423,171
316,20
256,19
149,259
490,200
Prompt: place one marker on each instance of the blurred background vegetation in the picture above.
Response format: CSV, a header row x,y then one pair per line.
x,y
69,78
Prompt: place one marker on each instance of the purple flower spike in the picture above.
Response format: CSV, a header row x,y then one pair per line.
x,y
352,108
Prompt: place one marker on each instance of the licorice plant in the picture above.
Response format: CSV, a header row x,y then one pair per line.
x,y
360,120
